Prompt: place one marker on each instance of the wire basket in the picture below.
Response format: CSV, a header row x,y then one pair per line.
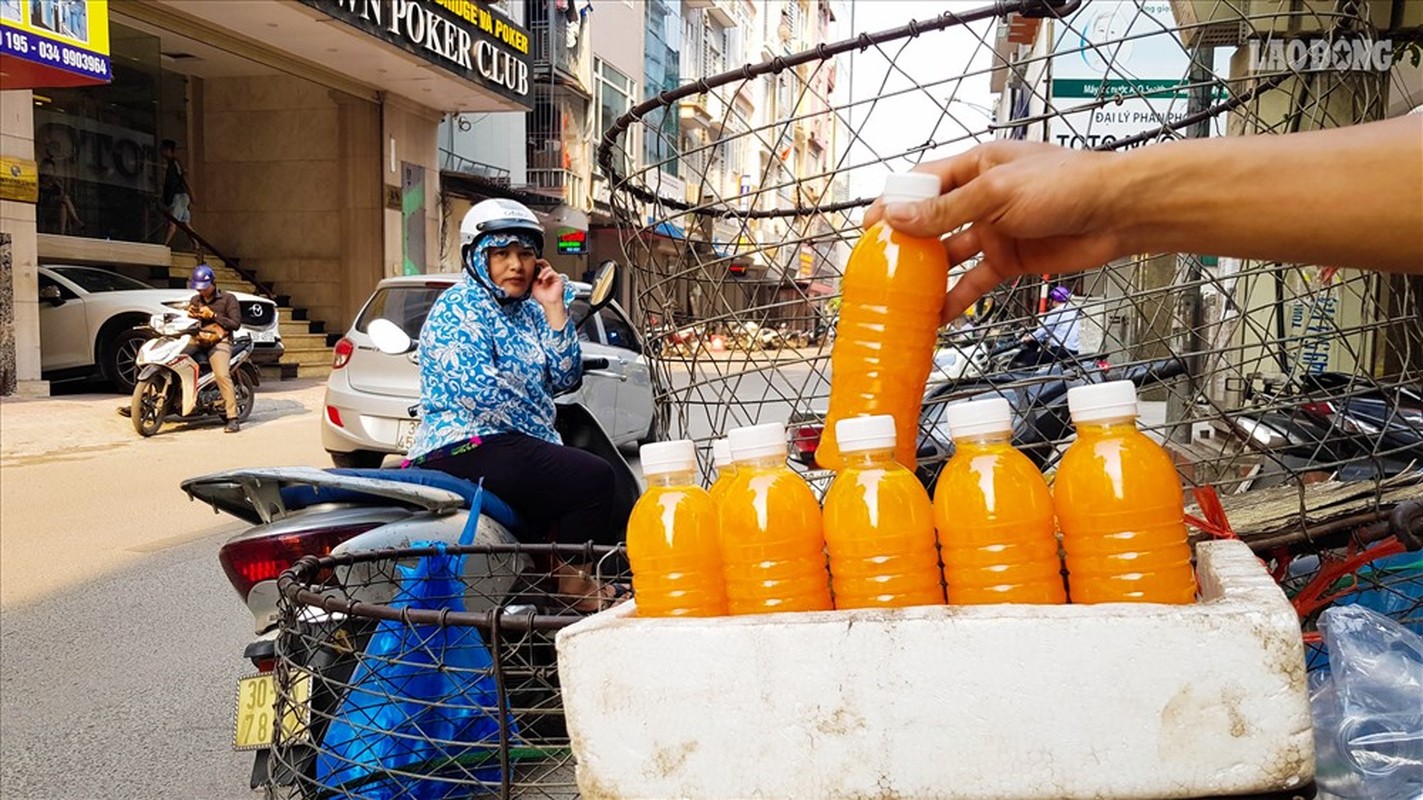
x,y
738,196
425,672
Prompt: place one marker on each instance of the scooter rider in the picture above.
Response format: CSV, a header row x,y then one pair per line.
x,y
494,351
1059,335
212,305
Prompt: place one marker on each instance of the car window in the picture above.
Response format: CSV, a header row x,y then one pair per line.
x,y
618,330
588,329
64,293
406,306
100,280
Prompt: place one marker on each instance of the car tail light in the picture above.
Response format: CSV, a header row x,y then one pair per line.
x,y
1322,409
342,355
248,562
805,439
334,414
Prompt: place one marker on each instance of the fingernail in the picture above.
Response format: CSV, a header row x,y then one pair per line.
x,y
900,212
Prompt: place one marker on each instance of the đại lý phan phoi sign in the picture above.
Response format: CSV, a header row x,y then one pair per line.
x,y
464,37
54,43
1119,70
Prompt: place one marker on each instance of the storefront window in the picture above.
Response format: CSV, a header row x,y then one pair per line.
x,y
97,146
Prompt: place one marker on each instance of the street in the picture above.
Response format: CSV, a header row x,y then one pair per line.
x,y
120,638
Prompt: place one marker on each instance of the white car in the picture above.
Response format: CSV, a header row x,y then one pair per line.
x,y
92,320
370,393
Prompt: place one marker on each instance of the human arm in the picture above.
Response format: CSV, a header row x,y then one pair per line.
x,y
1350,197
227,313
559,336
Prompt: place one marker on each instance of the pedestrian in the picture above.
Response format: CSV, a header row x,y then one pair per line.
x,y
1350,197
177,194
1058,336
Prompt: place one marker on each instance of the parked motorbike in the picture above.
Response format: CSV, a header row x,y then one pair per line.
x,y
303,511
1332,422
1038,398
174,376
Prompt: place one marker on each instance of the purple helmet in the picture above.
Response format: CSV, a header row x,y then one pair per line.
x,y
202,277
1059,294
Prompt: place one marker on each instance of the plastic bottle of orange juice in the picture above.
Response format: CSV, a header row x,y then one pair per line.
x,y
879,524
725,468
893,290
1120,507
672,538
772,548
994,514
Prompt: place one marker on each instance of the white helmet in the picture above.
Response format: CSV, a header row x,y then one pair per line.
x,y
499,216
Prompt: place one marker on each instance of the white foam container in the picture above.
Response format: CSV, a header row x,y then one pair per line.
x,y
1105,701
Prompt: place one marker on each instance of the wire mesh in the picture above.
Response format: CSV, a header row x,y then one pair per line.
x,y
738,195
397,681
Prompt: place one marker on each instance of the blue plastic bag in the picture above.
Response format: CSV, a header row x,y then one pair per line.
x,y
422,701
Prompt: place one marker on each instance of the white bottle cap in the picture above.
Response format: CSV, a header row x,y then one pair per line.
x,y
979,417
1100,401
721,453
661,458
908,187
858,434
757,441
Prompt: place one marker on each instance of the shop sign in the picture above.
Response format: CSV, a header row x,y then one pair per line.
x,y
19,180
54,43
83,149
462,36
1118,71
572,242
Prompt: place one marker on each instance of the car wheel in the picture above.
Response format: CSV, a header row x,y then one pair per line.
x,y
357,459
121,356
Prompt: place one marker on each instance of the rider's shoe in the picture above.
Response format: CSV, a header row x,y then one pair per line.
x,y
232,426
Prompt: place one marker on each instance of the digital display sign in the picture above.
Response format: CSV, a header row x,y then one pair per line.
x,y
572,242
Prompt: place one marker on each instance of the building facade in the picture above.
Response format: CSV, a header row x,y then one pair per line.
x,y
308,130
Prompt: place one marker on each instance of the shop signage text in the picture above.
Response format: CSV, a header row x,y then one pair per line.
x,y
19,179
44,43
456,34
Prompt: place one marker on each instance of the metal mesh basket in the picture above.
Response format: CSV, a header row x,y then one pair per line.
x,y
425,672
737,196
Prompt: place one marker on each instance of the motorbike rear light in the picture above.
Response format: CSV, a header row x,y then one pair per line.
x,y
250,561
342,354
334,414
805,440
1323,409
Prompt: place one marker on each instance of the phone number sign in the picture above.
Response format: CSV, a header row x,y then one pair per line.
x,y
44,43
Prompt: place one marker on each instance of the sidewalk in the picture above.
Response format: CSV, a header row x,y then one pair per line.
x,y
34,429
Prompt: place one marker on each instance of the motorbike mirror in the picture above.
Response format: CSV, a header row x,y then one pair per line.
x,y
388,337
605,284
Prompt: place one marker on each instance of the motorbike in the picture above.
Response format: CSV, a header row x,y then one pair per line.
x,y
174,377
1330,422
296,512
1038,398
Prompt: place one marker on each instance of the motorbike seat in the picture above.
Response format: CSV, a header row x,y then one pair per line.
x,y
491,505
241,345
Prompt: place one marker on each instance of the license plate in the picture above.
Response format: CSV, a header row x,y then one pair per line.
x,y
263,336
405,434
256,711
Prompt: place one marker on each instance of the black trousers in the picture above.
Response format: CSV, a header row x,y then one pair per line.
x,y
555,488
1036,354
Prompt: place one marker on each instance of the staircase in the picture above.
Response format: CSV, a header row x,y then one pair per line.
x,y
307,354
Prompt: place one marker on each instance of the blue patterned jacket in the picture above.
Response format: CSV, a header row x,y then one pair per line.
x,y
488,368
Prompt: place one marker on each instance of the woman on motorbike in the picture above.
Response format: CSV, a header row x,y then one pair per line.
x,y
494,351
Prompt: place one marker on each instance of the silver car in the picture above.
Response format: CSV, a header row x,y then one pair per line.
x,y
369,393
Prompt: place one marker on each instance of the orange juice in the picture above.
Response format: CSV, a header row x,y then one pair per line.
x,y
773,552
1120,506
893,291
879,524
725,468
994,514
672,538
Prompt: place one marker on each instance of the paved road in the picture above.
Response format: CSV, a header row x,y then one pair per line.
x,y
120,639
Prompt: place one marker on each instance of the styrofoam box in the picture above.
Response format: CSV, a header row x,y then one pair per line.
x,y
1008,701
